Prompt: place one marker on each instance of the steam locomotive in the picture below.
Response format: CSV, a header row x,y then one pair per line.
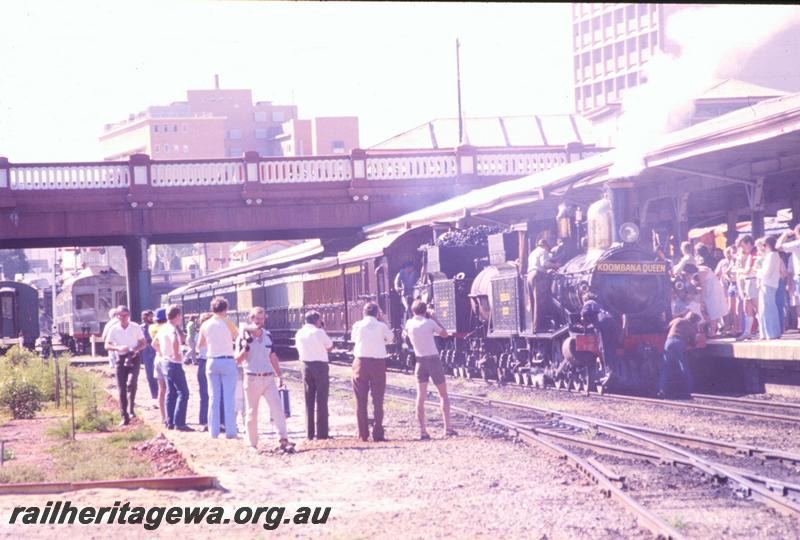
x,y
475,281
492,329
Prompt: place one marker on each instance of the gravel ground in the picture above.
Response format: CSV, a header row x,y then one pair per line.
x,y
470,486
684,498
734,428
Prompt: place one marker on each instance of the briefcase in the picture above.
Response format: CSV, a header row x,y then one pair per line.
x,y
284,393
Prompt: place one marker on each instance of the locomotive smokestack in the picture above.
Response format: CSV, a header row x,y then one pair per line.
x,y
216,81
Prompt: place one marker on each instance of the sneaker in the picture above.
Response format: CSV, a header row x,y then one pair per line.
x,y
125,422
743,337
425,437
184,428
203,427
451,433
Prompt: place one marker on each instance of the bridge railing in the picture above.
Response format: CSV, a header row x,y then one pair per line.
x,y
361,169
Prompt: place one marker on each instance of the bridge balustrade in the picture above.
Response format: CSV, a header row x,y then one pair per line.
x,y
69,176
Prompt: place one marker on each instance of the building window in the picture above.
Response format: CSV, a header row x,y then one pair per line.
x,y
155,128
260,116
235,152
235,134
261,134
338,147
632,80
630,12
175,128
185,148
587,91
157,148
278,116
185,127
176,148
166,148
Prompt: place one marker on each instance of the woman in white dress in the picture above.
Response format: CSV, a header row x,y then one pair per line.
x,y
715,300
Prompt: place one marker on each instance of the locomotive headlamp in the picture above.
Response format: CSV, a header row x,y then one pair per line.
x,y
629,232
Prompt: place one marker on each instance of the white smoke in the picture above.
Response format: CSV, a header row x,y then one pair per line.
x,y
713,43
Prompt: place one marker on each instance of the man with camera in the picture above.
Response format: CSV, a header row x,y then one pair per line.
x,y
126,340
261,368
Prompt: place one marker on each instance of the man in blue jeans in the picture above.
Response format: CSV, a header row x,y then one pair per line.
x,y
168,344
681,336
217,335
149,354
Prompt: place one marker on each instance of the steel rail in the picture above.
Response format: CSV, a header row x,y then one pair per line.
x,y
646,517
748,401
700,406
718,471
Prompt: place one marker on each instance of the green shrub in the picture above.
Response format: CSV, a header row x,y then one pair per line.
x,y
19,356
61,430
21,473
22,398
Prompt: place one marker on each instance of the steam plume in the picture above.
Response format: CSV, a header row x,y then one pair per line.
x,y
713,42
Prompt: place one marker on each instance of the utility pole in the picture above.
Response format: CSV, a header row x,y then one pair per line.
x,y
55,278
458,82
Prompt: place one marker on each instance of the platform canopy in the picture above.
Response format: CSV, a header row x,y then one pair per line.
x,y
742,160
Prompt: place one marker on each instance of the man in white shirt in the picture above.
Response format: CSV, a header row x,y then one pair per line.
x,y
169,346
421,330
370,336
110,323
539,262
126,340
313,344
792,247
217,335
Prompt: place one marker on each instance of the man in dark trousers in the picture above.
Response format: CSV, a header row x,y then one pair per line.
x,y
149,353
682,335
313,344
370,336
127,341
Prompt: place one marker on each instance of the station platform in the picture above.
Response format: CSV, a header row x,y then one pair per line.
x,y
787,348
753,366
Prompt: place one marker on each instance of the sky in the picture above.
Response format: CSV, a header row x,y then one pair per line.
x,y
71,67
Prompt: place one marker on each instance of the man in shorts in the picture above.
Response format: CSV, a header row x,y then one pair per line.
x,y
420,330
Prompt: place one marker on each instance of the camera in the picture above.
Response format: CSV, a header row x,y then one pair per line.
x,y
245,340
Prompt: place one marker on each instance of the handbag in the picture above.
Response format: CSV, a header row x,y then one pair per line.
x,y
283,392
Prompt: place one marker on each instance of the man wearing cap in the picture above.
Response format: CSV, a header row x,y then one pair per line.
x,y
261,368
126,340
169,345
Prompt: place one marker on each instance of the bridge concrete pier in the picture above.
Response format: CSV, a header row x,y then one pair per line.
x,y
138,275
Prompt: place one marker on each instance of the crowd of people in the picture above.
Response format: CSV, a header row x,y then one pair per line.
x,y
237,367
751,290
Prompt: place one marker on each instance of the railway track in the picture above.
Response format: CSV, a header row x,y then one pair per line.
x,y
781,412
560,433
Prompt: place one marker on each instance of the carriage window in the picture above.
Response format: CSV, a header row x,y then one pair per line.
x,y
7,307
84,301
104,300
121,298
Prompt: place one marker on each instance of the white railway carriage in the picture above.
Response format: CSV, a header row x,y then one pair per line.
x,y
83,304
